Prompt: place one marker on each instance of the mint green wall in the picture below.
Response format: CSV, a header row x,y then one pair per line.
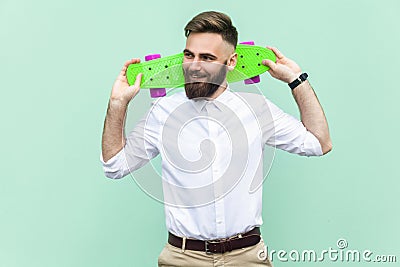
x,y
58,62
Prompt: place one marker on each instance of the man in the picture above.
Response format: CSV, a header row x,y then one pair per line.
x,y
212,202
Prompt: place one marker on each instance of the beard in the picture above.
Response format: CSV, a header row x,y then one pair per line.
x,y
207,88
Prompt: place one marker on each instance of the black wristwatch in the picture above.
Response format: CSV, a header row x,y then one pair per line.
x,y
298,81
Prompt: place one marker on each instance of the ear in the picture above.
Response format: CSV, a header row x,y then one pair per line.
x,y
232,61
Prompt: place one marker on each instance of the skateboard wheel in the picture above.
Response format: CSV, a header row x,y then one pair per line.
x,y
155,92
151,57
247,43
255,79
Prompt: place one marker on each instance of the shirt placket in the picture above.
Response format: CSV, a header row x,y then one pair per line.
x,y
216,172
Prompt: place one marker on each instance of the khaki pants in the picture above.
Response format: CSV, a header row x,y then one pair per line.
x,y
247,257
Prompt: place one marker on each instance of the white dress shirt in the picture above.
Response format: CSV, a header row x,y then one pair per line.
x,y
212,158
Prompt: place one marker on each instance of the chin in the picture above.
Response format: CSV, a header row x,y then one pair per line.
x,y
200,89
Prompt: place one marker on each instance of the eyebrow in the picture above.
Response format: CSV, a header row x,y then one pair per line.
x,y
201,54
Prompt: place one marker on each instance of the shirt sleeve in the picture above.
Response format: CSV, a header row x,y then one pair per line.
x,y
141,145
289,134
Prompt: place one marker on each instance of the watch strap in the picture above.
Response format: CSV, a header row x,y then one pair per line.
x,y
298,81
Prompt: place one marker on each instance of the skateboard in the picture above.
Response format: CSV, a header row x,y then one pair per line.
x,y
160,73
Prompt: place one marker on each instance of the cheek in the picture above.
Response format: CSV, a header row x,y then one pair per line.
x,y
209,67
214,68
185,65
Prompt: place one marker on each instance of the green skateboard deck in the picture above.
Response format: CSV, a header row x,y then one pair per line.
x,y
167,72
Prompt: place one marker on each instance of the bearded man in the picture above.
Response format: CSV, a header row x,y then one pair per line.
x,y
211,141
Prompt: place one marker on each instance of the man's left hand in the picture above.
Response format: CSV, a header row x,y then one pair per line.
x,y
283,69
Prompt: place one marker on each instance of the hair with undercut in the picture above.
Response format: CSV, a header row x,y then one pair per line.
x,y
213,22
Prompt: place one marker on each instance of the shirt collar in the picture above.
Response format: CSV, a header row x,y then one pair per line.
x,y
219,102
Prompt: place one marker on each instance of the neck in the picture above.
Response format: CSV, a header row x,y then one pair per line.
x,y
220,90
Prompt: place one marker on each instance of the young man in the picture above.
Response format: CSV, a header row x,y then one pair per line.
x,y
211,141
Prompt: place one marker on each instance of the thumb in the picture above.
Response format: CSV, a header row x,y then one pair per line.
x,y
136,85
138,80
269,63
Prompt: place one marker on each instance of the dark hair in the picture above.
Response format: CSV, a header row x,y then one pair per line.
x,y
214,22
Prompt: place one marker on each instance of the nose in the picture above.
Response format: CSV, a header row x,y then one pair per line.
x,y
195,65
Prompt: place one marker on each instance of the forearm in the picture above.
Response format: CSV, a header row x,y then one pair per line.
x,y
312,114
113,132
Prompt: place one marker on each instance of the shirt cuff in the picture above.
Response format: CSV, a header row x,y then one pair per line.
x,y
311,145
114,167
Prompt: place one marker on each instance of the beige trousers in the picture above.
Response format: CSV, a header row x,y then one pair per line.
x,y
248,257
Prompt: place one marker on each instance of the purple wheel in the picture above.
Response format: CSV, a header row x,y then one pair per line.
x,y
151,57
247,43
155,92
255,79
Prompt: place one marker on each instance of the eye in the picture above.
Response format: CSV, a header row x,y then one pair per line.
x,y
188,55
207,58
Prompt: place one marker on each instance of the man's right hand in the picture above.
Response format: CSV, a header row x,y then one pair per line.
x,y
113,133
121,92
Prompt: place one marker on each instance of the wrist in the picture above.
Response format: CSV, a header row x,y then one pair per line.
x,y
118,103
298,80
293,77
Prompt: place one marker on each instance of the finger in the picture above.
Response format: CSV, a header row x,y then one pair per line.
x,y
269,63
277,53
138,80
126,65
132,61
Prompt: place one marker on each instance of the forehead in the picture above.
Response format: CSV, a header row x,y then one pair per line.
x,y
211,43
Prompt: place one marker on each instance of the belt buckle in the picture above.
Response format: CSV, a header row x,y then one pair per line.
x,y
221,242
207,248
208,252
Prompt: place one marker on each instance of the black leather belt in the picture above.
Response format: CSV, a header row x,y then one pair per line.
x,y
217,246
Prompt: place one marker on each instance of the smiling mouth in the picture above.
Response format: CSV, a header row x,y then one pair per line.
x,y
197,76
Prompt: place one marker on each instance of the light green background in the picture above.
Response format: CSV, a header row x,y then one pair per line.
x,y
58,62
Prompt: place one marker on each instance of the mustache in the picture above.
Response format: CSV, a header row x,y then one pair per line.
x,y
196,73
188,72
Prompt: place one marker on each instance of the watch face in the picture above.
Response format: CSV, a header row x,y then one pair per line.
x,y
298,81
303,76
